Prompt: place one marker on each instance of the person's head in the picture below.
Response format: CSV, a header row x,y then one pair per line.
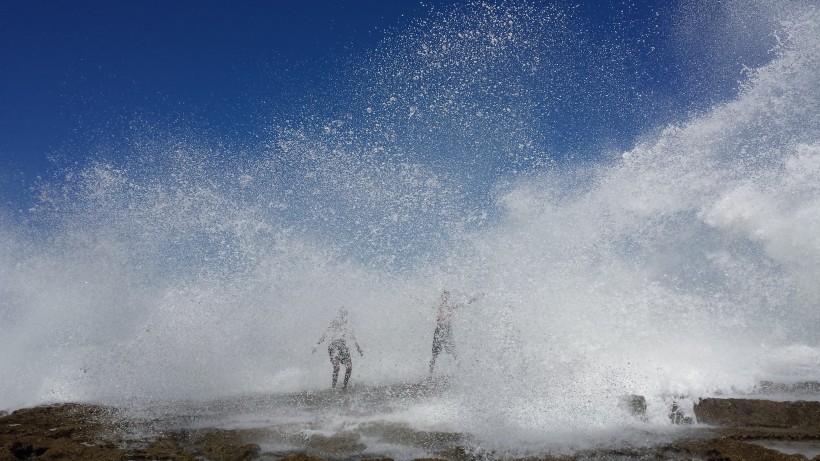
x,y
445,296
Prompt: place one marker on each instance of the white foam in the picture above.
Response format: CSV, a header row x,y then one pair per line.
x,y
687,267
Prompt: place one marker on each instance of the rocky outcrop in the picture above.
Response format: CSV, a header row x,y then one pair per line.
x,y
758,413
96,433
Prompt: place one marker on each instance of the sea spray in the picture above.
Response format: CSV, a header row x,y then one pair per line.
x,y
682,269
684,266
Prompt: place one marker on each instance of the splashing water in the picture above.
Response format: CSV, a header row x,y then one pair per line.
x,y
688,265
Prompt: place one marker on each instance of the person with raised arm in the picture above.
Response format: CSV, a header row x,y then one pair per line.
x,y
443,335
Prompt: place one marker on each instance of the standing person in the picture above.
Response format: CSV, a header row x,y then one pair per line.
x,y
338,333
443,336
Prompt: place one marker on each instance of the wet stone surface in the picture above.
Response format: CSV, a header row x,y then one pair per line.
x,y
733,429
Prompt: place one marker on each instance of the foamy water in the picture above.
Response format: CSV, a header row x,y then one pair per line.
x,y
686,265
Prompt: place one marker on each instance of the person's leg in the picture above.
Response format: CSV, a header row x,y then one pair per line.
x,y
436,350
433,360
348,371
335,362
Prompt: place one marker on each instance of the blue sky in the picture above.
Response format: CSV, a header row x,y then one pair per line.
x,y
72,70
76,75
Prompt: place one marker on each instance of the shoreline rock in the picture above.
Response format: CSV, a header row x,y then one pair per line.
x,y
759,413
90,432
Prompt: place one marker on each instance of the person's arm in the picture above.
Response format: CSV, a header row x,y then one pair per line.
x,y
353,337
457,306
321,340
475,298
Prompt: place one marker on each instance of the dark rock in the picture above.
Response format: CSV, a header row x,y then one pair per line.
x,y
26,451
301,457
338,445
223,445
677,416
634,404
735,450
93,433
463,454
164,448
758,413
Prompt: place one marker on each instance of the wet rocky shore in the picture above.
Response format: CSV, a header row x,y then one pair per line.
x,y
728,429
